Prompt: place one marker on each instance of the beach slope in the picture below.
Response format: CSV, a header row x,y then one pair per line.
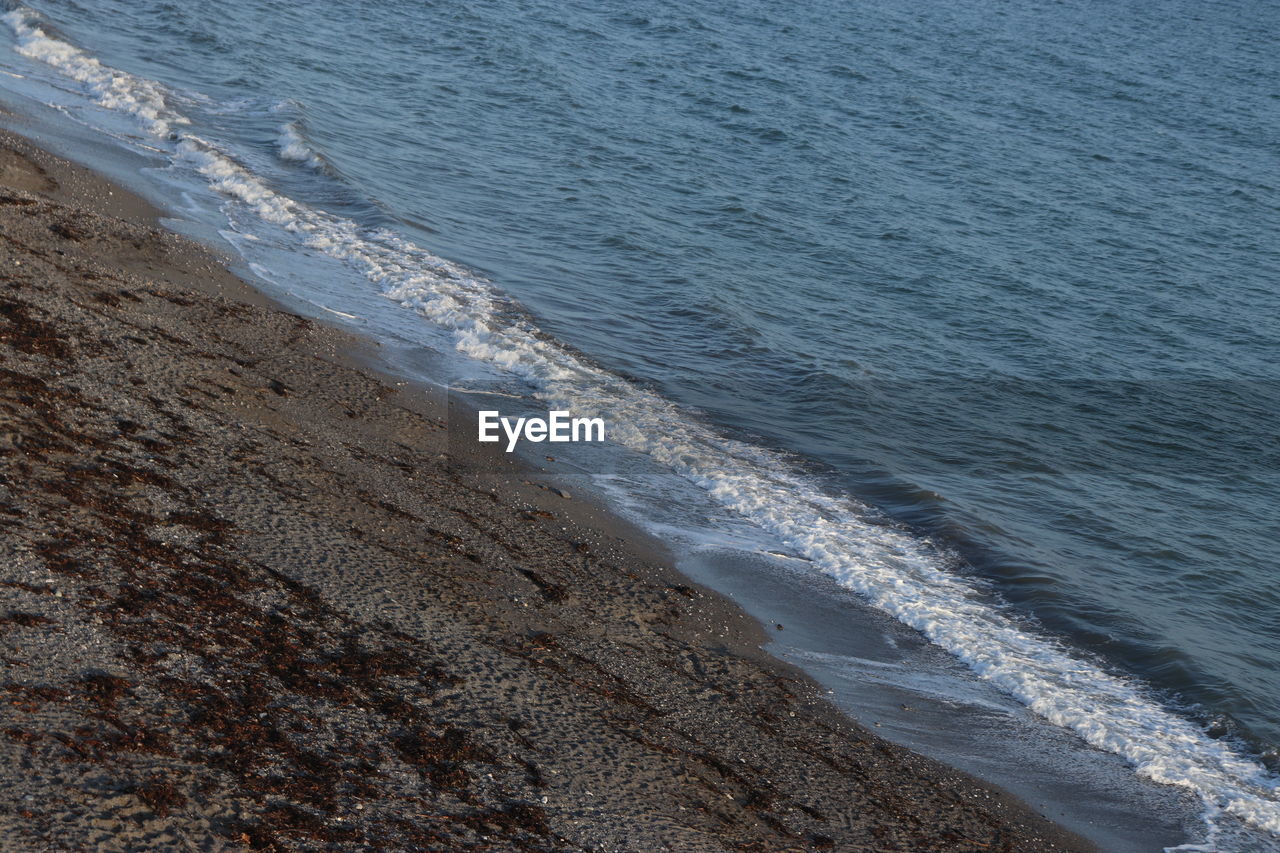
x,y
250,599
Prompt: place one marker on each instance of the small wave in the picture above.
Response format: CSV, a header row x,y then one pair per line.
x,y
113,89
293,145
893,570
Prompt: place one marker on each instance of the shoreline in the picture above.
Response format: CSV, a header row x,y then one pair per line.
x,y
335,636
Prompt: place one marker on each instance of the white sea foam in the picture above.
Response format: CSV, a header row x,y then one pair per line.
x,y
294,146
113,89
893,570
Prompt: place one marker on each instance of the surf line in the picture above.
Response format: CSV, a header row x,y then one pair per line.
x,y
558,426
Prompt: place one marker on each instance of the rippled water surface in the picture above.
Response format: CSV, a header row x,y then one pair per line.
x,y
1008,272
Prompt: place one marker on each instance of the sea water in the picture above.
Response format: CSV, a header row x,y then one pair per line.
x,y
968,308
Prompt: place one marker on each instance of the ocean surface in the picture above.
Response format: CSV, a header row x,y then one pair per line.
x,y
972,308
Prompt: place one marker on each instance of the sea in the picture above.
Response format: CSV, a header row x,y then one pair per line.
x,y
949,330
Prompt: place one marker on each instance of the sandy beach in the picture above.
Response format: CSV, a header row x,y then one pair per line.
x,y
255,598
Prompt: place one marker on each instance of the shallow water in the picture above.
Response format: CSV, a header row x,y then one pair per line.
x,y
973,307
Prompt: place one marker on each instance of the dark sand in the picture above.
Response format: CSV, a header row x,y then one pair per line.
x,y
247,601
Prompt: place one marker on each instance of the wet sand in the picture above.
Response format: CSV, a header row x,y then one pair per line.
x,y
254,597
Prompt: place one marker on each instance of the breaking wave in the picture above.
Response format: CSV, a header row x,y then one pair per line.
x,y
294,146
